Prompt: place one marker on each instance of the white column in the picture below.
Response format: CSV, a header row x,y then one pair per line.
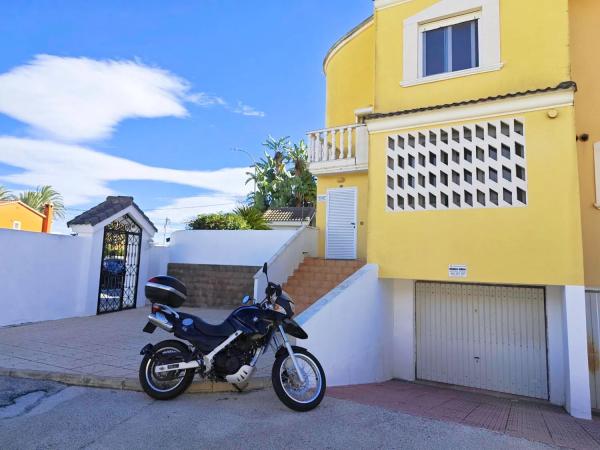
x,y
556,348
577,377
342,149
404,330
350,155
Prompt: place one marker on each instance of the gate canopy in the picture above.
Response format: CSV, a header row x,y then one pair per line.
x,y
110,209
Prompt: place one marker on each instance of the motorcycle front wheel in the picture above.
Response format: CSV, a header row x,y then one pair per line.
x,y
293,393
167,385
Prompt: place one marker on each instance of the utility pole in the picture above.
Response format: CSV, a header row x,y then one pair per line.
x,y
167,222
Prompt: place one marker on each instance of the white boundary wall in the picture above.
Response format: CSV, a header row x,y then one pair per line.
x,y
43,276
235,248
47,276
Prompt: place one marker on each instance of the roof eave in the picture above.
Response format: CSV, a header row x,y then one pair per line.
x,y
345,38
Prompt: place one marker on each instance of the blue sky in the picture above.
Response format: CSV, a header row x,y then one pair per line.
x,y
106,97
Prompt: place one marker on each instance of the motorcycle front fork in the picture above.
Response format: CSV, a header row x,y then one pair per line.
x,y
290,351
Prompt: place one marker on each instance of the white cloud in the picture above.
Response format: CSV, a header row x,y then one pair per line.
x,y
78,99
203,99
82,175
82,99
247,110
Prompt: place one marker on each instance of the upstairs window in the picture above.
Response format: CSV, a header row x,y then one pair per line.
x,y
450,45
451,39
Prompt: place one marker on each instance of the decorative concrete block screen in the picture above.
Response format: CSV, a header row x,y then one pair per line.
x,y
480,165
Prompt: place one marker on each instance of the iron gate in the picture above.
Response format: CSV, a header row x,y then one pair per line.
x,y
119,266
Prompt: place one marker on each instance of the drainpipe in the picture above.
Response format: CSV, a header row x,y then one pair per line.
x,y
48,218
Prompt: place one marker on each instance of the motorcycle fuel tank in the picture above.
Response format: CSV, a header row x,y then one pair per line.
x,y
252,317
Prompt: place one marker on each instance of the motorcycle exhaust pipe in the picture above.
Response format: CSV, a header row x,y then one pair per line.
x,y
160,321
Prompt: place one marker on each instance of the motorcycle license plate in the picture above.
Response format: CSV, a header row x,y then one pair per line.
x,y
149,328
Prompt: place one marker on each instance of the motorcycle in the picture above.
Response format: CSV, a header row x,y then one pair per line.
x,y
228,351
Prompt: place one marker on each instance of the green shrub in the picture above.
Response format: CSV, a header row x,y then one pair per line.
x,y
218,221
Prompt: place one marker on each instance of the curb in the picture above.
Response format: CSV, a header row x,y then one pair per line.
x,y
127,384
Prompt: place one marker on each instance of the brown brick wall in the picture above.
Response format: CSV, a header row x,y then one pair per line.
x,y
214,286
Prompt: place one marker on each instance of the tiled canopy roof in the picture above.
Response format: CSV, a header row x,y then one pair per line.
x,y
290,214
108,208
565,85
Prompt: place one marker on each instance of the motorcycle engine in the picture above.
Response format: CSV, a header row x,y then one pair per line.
x,y
229,360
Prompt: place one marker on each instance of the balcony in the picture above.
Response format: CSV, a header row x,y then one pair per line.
x,y
338,150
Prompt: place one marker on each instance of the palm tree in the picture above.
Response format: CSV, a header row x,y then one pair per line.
x,y
253,217
304,185
43,195
5,194
282,179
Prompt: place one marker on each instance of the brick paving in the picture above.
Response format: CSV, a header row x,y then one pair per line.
x,y
516,416
107,345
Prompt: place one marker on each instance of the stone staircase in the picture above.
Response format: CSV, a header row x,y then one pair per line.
x,y
315,277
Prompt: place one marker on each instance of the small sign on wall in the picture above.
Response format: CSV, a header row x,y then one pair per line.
x,y
457,271
322,198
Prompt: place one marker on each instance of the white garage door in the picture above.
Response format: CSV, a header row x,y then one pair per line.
x,y
487,337
592,302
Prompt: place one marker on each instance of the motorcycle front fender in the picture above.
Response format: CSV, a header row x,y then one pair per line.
x,y
282,350
292,328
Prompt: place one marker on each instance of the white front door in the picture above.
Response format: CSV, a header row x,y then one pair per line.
x,y
341,224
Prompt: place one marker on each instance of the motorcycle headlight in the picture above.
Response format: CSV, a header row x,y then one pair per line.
x,y
291,301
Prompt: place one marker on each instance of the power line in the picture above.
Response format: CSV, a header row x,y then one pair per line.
x,y
189,207
168,209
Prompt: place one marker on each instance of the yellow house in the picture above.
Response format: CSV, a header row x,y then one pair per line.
x,y
461,155
16,215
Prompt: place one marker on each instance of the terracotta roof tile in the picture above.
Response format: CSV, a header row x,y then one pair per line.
x,y
565,85
290,214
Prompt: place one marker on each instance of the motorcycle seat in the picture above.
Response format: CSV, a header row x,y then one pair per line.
x,y
224,329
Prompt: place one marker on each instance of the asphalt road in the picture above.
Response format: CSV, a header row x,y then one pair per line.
x,y
39,414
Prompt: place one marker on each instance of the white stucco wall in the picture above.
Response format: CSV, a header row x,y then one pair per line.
x,y
158,260
404,336
350,330
42,276
236,248
555,341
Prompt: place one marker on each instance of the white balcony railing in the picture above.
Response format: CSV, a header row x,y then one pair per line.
x,y
340,149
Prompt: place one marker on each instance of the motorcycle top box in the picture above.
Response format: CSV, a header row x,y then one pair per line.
x,y
166,290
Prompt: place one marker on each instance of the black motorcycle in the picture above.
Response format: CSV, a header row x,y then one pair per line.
x,y
228,351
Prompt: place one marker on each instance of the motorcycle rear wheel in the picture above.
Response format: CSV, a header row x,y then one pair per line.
x,y
293,393
170,384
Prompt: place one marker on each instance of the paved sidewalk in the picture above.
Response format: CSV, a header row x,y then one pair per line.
x,y
515,416
94,351
38,414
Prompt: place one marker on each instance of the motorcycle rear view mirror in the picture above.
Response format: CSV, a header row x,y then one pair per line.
x,y
246,300
265,267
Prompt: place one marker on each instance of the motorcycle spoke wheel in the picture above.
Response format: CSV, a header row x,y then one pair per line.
x,y
301,392
166,381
